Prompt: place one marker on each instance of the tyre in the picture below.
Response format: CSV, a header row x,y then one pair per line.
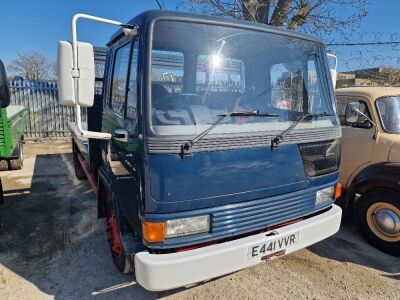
x,y
79,173
3,165
122,260
378,214
17,164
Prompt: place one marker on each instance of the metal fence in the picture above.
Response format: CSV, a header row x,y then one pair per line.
x,y
46,117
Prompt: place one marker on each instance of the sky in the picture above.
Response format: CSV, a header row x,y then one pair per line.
x,y
39,24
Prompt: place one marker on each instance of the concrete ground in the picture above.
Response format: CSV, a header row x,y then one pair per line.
x,y
53,247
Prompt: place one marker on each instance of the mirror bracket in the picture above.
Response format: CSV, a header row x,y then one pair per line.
x,y
131,31
76,74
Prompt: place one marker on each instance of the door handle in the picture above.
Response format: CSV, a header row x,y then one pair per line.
x,y
121,135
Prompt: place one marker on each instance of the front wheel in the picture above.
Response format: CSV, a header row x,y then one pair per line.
x,y
378,215
122,260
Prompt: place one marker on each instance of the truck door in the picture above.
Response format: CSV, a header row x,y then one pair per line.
x,y
357,139
120,119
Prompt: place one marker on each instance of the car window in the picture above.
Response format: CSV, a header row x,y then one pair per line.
x,y
389,113
119,79
341,105
362,121
131,103
166,73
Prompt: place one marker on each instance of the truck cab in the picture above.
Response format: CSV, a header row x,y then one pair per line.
x,y
370,169
216,146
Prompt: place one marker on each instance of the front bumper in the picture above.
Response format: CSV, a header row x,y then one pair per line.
x,y
157,272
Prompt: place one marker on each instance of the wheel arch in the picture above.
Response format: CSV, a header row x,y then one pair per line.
x,y
108,185
378,176
105,183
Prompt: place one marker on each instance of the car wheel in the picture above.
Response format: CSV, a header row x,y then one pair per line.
x,y
17,164
122,260
3,165
378,214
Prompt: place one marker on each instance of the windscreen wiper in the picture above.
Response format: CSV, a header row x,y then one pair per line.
x,y
278,139
186,148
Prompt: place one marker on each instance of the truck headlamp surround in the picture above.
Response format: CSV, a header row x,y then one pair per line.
x,y
187,226
325,195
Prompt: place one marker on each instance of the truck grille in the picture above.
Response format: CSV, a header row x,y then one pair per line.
x,y
246,217
252,215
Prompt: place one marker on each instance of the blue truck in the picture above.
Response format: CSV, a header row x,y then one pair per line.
x,y
213,146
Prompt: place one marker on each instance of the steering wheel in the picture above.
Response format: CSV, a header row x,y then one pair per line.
x,y
178,102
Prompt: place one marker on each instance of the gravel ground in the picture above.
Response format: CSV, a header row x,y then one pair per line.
x,y
53,247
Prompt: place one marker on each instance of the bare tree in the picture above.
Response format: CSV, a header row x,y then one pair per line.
x,y
317,17
31,66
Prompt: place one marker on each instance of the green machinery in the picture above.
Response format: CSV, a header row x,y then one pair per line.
x,y
13,120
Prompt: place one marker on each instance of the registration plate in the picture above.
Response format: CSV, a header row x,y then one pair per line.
x,y
272,246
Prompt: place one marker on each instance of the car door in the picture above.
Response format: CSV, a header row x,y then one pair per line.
x,y
357,139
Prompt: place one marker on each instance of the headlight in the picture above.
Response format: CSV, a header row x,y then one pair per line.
x,y
321,157
325,194
187,226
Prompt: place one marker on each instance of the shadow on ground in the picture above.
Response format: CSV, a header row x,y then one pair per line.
x,y
52,238
349,246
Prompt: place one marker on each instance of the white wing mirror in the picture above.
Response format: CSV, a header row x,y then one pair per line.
x,y
332,60
76,74
85,75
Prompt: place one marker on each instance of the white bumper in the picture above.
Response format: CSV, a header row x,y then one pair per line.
x,y
157,272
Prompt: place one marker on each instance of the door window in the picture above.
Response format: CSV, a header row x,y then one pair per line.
x,y
362,122
131,106
119,79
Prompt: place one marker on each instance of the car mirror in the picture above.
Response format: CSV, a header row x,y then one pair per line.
x,y
85,74
4,91
352,111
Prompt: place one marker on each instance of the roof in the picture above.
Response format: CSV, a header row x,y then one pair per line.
x,y
143,19
372,92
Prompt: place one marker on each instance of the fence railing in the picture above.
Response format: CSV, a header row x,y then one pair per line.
x,y
46,117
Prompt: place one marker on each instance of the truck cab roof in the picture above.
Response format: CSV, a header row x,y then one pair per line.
x,y
147,17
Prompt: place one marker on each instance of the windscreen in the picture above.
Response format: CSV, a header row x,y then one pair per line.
x,y
389,113
200,72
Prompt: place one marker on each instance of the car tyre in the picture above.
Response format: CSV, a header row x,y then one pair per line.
x,y
122,260
378,214
17,163
3,165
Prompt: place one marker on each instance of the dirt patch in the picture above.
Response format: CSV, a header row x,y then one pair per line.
x,y
53,246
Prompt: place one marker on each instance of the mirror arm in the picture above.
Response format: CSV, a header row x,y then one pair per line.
x,y
75,72
372,122
361,113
